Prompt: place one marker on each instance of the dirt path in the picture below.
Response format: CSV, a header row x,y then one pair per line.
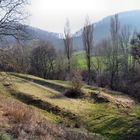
x,y
120,101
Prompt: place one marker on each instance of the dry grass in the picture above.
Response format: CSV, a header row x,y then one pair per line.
x,y
104,118
25,123
19,113
50,95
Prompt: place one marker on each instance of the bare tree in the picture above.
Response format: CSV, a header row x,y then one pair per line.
x,y
100,51
114,57
11,15
135,49
60,66
68,44
88,44
124,40
42,59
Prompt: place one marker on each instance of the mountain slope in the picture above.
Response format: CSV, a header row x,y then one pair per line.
x,y
101,31
38,34
102,28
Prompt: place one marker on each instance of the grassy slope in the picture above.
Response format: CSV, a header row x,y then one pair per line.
x,y
15,117
105,118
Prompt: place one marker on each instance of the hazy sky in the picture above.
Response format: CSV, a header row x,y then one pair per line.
x,y
51,15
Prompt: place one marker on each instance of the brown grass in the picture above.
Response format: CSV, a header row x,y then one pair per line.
x,y
25,123
20,114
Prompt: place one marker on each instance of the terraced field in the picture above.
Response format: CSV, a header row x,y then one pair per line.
x,y
116,119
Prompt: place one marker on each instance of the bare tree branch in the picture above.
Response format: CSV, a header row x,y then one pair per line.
x,y
88,44
68,44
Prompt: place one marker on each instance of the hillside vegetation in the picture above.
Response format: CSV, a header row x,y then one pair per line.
x,y
111,115
82,86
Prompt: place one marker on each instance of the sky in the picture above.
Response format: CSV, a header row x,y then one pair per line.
x,y
51,15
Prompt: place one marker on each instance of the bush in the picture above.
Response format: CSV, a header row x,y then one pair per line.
x,y
74,93
85,75
76,81
5,137
20,114
76,86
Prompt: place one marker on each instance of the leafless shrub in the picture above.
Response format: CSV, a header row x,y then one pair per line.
x,y
76,81
76,86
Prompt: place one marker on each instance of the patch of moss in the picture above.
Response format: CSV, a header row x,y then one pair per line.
x,y
5,136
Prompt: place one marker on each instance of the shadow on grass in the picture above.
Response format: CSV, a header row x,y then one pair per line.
x,y
44,83
58,97
44,105
115,128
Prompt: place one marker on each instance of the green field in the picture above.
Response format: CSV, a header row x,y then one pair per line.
x,y
97,62
81,60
